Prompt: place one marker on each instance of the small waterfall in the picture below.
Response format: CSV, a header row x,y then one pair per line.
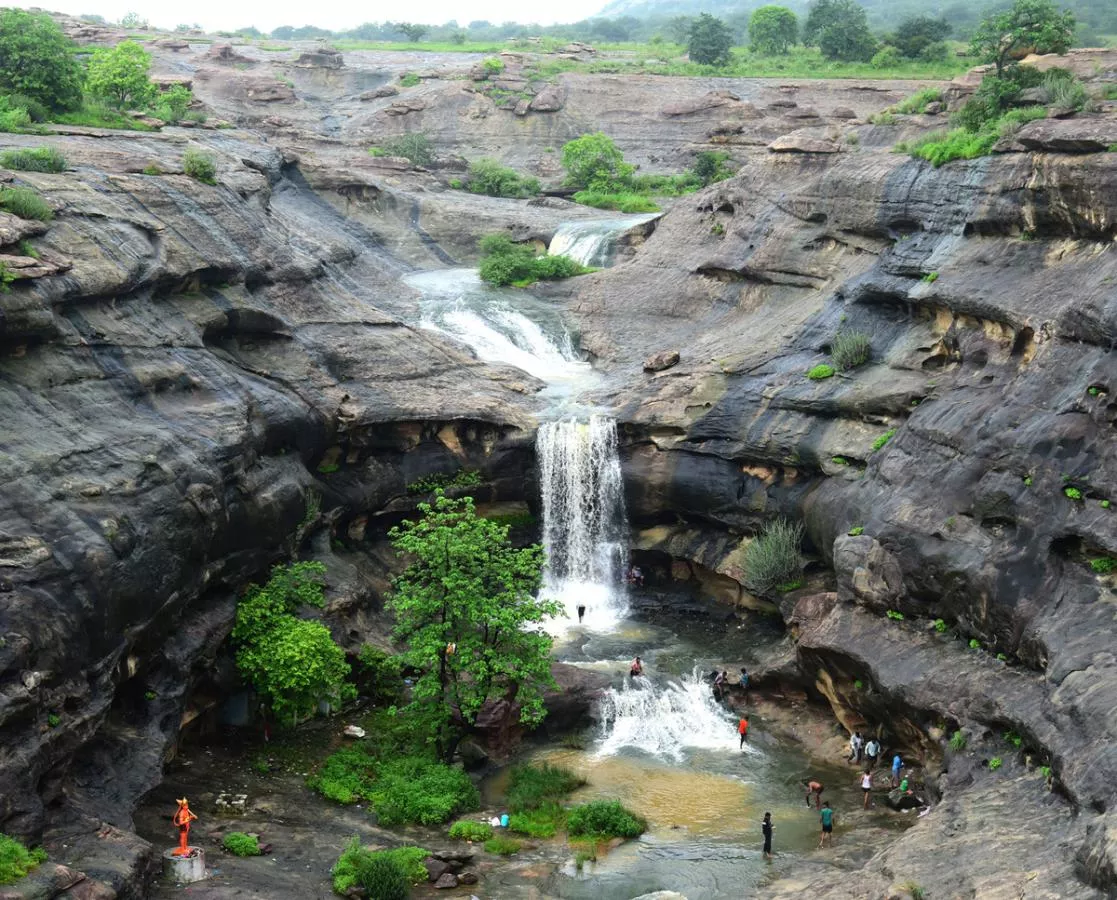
x,y
584,524
666,720
592,242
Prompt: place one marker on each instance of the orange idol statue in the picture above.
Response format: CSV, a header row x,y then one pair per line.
x,y
183,818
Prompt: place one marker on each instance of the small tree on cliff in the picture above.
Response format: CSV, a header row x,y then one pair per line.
x,y
594,163
119,76
37,60
773,29
1029,26
467,613
710,41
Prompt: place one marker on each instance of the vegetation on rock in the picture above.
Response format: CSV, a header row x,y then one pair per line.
x,y
850,349
604,819
240,844
531,787
415,147
465,830
772,558
883,439
16,860
119,76
1036,26
489,177
430,483
505,262
25,203
382,874
821,372
37,60
199,166
503,846
41,159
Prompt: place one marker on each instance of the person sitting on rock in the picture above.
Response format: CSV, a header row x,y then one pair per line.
x,y
637,668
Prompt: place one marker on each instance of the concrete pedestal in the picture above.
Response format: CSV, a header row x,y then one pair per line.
x,y
184,869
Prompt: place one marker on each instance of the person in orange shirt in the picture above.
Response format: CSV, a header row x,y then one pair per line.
x,y
743,731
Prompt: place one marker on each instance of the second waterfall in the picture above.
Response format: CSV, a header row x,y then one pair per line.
x,y
584,523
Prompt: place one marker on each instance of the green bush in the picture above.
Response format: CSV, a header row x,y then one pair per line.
x,y
431,483
42,159
345,776
492,65
13,119
502,845
489,177
171,104
38,61
25,203
772,558
820,372
850,349
930,277
957,741
240,844
604,819
118,76
940,626
995,763
856,531
883,439
622,201
918,101
407,80
1073,493
16,860
505,262
975,644
1103,565
413,790
710,166
1064,91
594,163
538,823
378,674
886,57
532,787
415,147
384,874
199,166
464,830
894,615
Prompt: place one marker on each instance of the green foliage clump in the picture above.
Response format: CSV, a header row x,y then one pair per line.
x,y
820,372
894,615
1013,738
505,262
930,277
1029,25
1103,565
37,61
1064,91
840,29
383,874
41,159
413,790
541,823
850,349
604,819
975,644
709,41
887,57
1104,504
856,531
464,830
914,890
918,101
1073,493
467,612
345,776
415,147
995,763
25,203
378,674
503,846
772,558
408,80
199,166
16,860
489,177
431,483
492,65
773,30
920,37
883,439
958,741
940,626
839,460
119,76
941,147
710,166
292,663
240,844
594,163
533,787
13,119
622,201
171,104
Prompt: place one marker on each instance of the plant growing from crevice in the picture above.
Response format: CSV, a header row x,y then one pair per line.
x,y
975,644
1103,565
772,558
995,763
1013,738
431,483
16,860
940,626
856,531
957,741
895,615
883,439
930,277
820,372
1073,493
850,349
200,166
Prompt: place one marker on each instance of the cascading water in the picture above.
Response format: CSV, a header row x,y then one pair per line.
x,y
592,242
584,525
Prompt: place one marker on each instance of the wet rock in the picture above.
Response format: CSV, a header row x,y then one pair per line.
x,y
467,878
802,112
405,106
934,108
664,359
710,100
455,856
446,881
436,868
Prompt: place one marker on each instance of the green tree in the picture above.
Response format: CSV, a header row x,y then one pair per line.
x,y
678,29
413,31
709,41
119,76
593,162
710,166
1036,26
467,613
292,663
133,20
773,29
840,29
37,60
916,33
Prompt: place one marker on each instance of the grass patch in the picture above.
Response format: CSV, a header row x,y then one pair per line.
x,y
1103,565
772,558
384,874
624,201
41,159
958,741
820,372
431,483
941,147
503,846
850,349
533,787
539,823
415,147
604,819
25,203
240,844
94,115
883,439
199,166
918,101
489,177
504,262
16,860
465,830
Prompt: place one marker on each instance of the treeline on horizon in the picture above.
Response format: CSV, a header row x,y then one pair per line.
x,y
1096,23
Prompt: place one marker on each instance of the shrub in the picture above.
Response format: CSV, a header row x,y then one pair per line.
x,y
489,177
930,277
345,776
37,60
995,763
381,877
432,483
887,57
407,80
772,30
25,203
42,159
895,616
171,105
710,166
975,644
54,720
1104,504
378,674
532,787
413,790
1104,565
492,65
538,823
622,201
883,439
709,41
1073,493
505,262
957,741
604,819
502,845
856,531
594,163
850,349
464,830
240,844
773,558
16,860
415,147
821,371
383,874
118,75
199,166
13,119
940,626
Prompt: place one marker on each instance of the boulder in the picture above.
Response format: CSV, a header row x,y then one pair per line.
x,y
664,359
29,267
800,142
709,100
446,881
385,90
802,112
226,55
550,99
934,108
436,868
264,90
901,800
405,106
1078,135
172,44
467,878
843,112
322,58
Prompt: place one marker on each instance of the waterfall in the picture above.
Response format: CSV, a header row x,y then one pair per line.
x,y
592,242
665,720
584,525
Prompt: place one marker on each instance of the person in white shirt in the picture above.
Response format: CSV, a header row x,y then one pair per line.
x,y
866,787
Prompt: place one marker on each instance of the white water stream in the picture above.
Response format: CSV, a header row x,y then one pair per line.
x,y
592,242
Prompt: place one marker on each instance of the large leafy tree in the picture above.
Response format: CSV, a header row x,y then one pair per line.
x,y
773,29
593,162
916,33
1029,26
840,29
37,60
119,76
466,610
292,663
709,41
412,30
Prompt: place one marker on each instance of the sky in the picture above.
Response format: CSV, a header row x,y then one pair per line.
x,y
221,15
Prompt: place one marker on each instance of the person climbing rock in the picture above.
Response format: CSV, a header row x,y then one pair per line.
x,y
872,751
867,787
581,612
856,742
814,788
743,731
826,817
637,668
719,685
766,829
897,765
745,682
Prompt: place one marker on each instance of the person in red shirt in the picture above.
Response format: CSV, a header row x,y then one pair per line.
x,y
743,731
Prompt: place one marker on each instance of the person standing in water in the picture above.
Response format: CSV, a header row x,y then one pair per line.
x,y
826,817
581,612
867,787
743,731
766,829
814,788
637,668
